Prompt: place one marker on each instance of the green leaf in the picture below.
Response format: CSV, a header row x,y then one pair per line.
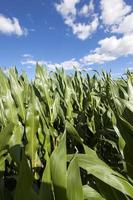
x,y
32,124
24,183
58,169
130,89
93,165
91,194
17,135
17,93
72,131
128,137
74,184
5,135
46,184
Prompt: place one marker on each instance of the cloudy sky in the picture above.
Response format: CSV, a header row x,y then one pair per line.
x,y
87,34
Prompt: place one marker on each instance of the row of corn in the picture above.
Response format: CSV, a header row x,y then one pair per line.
x,y
66,137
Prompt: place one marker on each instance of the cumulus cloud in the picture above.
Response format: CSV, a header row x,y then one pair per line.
x,y
114,11
10,26
110,49
87,9
68,10
32,62
82,30
126,25
97,58
67,65
114,18
67,7
117,19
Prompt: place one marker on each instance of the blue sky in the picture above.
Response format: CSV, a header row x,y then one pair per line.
x,y
88,34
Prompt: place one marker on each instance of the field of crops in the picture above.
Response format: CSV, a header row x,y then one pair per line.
x,y
66,137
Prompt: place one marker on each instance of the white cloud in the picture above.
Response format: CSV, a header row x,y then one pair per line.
x,y
115,15
82,30
33,62
126,26
117,46
27,55
67,65
27,62
110,49
119,19
129,68
97,58
87,69
68,10
67,7
87,9
11,26
113,11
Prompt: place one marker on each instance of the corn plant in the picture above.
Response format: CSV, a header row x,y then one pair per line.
x,y
66,137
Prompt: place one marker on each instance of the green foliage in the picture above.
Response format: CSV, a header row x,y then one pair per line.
x,y
66,137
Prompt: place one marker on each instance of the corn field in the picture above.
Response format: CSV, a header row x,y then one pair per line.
x,y
66,137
